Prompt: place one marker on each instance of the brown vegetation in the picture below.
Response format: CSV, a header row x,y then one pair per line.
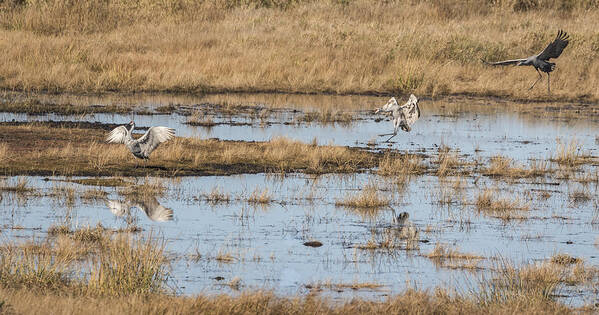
x,y
37,149
368,199
489,202
501,166
294,46
452,258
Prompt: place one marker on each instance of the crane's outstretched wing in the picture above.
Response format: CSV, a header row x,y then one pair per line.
x,y
117,135
117,207
410,110
389,107
153,137
503,63
555,49
154,210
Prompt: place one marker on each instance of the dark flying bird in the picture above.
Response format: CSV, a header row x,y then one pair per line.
x,y
541,61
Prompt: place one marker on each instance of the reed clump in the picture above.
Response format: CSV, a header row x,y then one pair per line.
x,y
570,154
444,256
489,202
407,164
118,266
501,166
368,199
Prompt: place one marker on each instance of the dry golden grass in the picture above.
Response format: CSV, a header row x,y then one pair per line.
x,y
402,165
356,285
448,161
510,290
295,46
18,185
489,202
571,155
260,196
216,196
502,166
452,258
368,199
197,118
117,266
328,116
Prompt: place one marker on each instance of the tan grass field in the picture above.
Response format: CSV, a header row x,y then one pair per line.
x,y
427,47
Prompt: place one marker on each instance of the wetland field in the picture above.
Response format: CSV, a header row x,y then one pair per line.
x,y
277,195
272,202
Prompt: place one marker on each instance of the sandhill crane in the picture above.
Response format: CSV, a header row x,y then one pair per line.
x,y
405,228
153,209
540,61
142,147
403,116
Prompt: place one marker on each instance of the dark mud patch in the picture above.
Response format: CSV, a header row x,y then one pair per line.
x,y
67,124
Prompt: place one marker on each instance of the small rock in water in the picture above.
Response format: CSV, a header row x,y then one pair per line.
x,y
313,244
219,278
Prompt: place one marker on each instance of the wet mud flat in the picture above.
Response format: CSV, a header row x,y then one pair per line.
x,y
484,186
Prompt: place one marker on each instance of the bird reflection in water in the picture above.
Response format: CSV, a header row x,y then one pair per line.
x,y
153,209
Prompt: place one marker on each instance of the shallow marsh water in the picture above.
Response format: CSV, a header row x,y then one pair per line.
x,y
264,242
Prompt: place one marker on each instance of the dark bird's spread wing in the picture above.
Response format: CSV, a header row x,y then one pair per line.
x,y
555,49
504,63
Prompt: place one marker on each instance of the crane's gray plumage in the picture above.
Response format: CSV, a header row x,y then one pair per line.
x,y
153,209
404,116
541,60
142,147
405,228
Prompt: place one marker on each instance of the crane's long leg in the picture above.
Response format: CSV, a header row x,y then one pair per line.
x,y
540,77
393,135
548,90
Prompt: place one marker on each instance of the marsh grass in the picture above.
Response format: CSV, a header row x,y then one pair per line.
x,y
19,185
356,285
502,166
4,152
389,239
216,196
447,161
407,164
197,118
260,196
149,187
489,202
129,266
93,195
64,195
446,257
579,195
368,199
328,116
571,154
117,266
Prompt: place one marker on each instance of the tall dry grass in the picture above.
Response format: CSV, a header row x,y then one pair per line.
x,y
87,261
525,290
359,46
